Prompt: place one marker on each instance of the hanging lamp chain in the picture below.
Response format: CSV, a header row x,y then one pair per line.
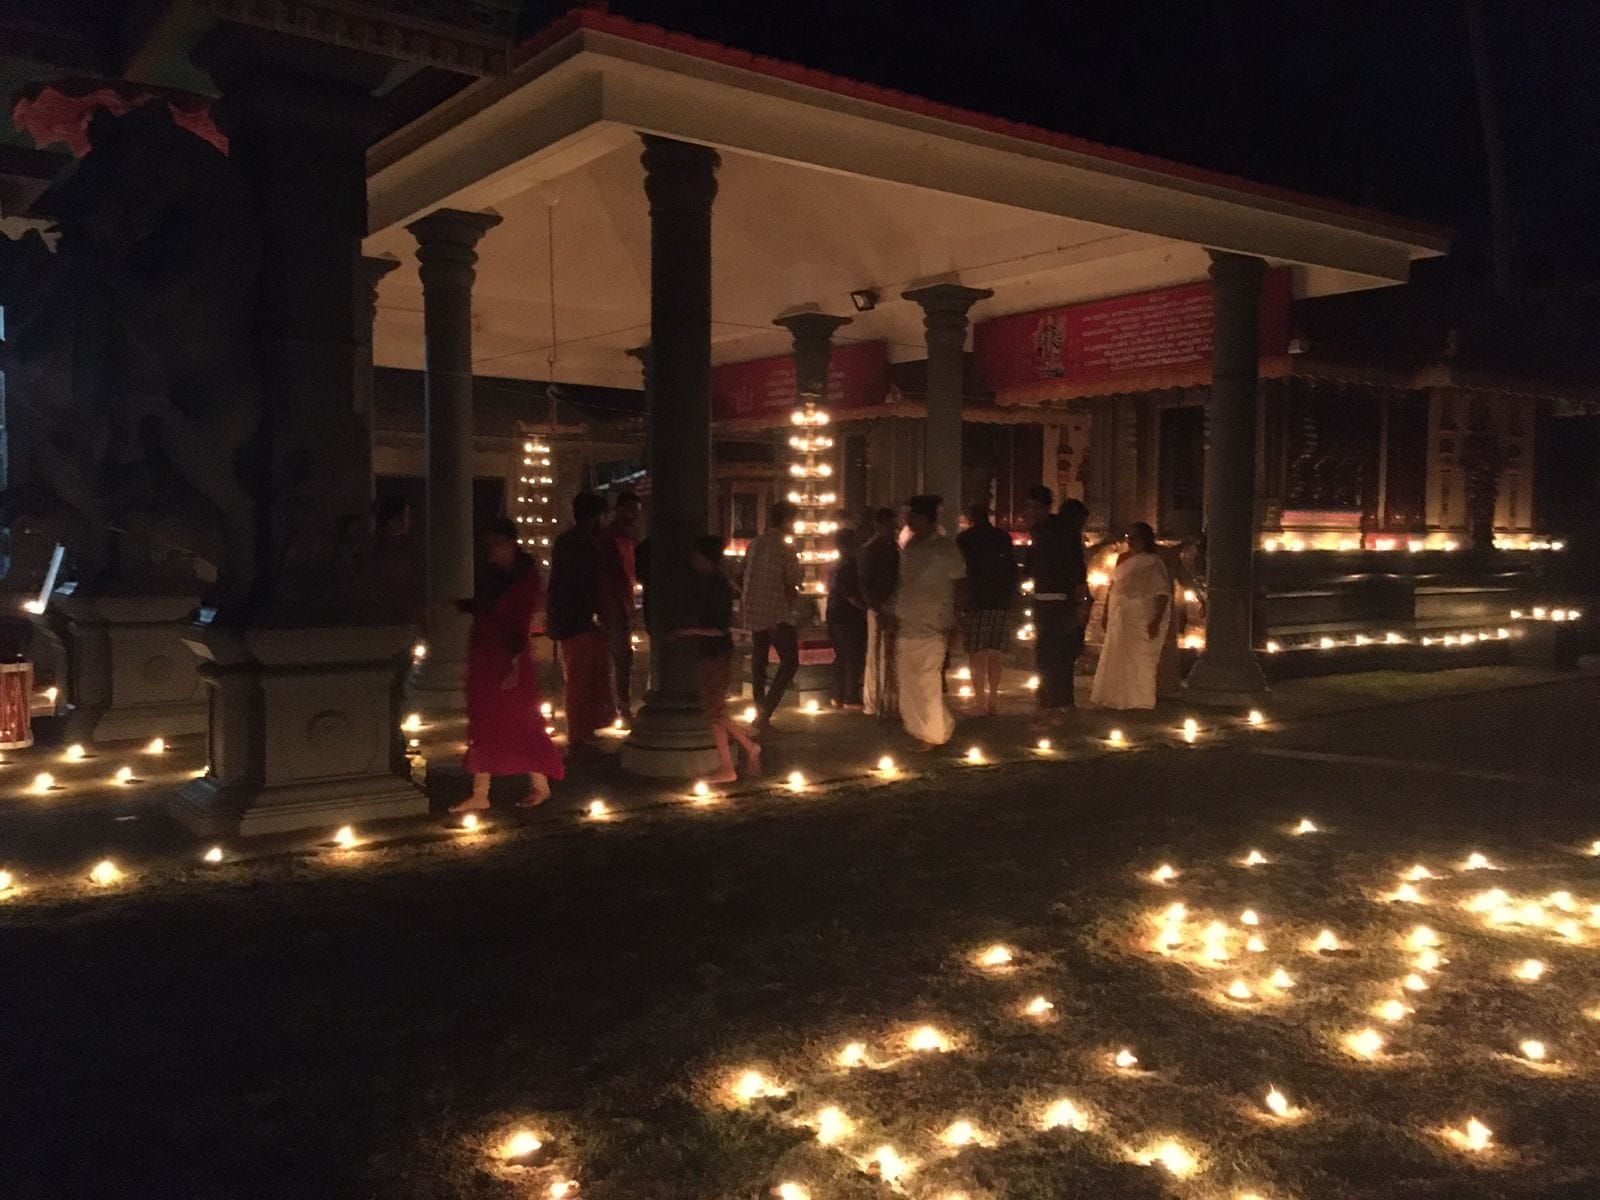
x,y
550,263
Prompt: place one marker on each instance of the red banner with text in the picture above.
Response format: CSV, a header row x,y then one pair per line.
x,y
858,377
1105,340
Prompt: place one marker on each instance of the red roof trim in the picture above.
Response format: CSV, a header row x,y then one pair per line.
x,y
636,31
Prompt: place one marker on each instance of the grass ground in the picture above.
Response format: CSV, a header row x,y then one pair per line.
x,y
377,1023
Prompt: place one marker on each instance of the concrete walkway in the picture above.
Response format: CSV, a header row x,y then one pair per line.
x,y
87,814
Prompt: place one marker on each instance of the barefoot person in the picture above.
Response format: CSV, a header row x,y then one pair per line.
x,y
1056,565
846,615
505,732
926,605
713,621
986,625
619,539
879,571
772,579
1135,622
576,622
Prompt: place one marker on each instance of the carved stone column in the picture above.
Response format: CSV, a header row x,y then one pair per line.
x,y
647,382
370,272
1227,672
670,739
446,248
944,320
301,680
1482,455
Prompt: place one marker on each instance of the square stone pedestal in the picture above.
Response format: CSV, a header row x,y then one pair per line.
x,y
303,729
129,673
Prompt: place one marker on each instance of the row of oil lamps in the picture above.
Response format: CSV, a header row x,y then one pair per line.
x,y
107,872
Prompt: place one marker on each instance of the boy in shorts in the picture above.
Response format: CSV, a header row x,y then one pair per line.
x,y
713,620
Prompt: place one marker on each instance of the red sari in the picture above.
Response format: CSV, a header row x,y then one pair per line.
x,y
505,731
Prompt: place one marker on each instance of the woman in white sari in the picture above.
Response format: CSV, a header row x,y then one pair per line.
x,y
1135,620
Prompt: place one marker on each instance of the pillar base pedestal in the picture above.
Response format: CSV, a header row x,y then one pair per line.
x,y
208,808
1232,682
437,685
437,688
670,740
130,676
303,730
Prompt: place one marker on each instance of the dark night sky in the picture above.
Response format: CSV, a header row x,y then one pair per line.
x,y
1372,101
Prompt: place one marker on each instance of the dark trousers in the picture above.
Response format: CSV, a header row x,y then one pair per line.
x,y
1059,641
849,636
781,638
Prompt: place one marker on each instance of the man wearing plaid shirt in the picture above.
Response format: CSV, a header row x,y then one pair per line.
x,y
772,577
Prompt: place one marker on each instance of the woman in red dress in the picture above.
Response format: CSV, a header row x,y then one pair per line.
x,y
505,730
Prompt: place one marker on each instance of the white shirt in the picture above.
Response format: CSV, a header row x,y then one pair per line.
x,y
925,598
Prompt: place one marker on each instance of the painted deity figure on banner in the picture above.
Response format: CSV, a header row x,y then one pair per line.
x,y
1049,341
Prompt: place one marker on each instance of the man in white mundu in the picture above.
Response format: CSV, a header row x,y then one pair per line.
x,y
1135,622
926,601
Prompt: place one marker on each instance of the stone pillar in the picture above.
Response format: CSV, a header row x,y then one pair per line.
x,y
670,739
1227,672
300,676
1482,454
370,273
944,319
647,382
446,249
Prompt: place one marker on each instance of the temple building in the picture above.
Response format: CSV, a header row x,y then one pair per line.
x,y
392,254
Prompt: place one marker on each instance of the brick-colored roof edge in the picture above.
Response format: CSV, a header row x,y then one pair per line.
x,y
682,43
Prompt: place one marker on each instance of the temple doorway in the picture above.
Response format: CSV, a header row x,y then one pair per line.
x,y
1182,466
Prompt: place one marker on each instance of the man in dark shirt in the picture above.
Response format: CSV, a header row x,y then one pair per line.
x,y
986,622
620,541
880,572
846,615
573,620
1056,565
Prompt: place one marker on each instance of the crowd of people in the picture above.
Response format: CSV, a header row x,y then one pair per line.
x,y
588,612
900,605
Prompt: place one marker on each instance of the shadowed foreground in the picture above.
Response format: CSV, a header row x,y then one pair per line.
x,y
377,1023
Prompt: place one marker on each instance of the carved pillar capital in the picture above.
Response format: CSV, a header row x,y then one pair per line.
x,y
370,272
678,176
810,327
447,241
1230,269
646,360
813,345
946,304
